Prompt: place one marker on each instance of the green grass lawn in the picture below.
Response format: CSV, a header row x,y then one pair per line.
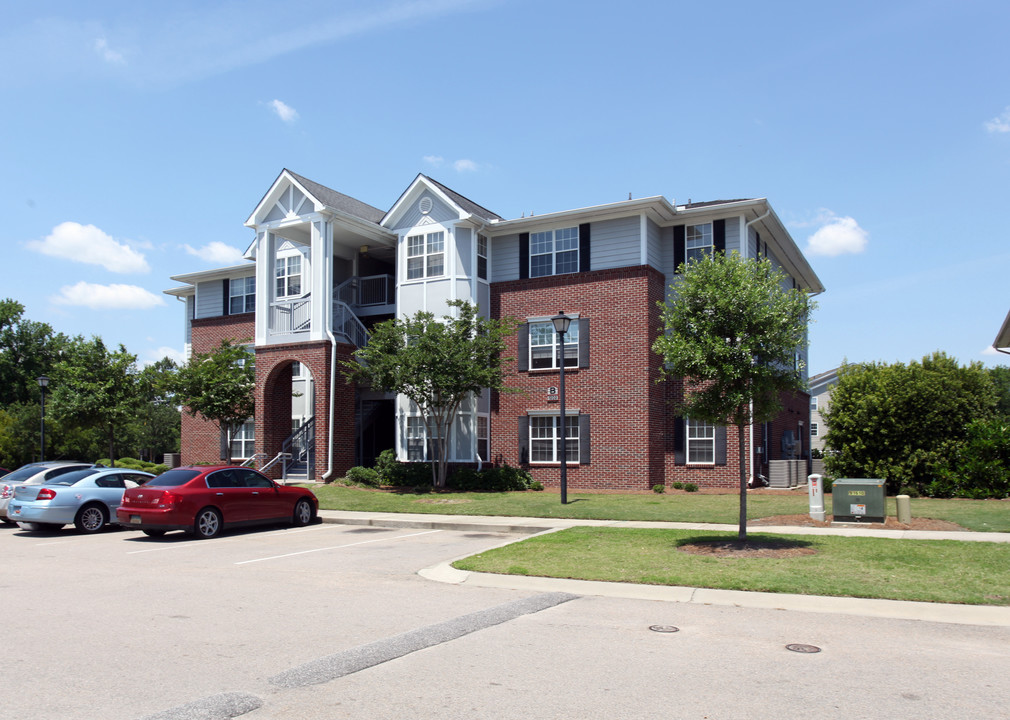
x,y
924,570
978,515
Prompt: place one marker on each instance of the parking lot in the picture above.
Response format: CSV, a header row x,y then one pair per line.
x,y
333,621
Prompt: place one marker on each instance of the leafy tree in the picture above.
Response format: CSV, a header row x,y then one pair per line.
x,y
1001,380
93,388
157,425
979,466
902,422
219,386
732,333
28,349
437,363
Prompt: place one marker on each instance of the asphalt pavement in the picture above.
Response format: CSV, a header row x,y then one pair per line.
x,y
897,609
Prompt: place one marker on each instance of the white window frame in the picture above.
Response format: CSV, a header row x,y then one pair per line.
x,y
552,244
699,436
245,439
427,250
538,332
285,280
247,296
813,402
482,255
483,448
698,241
814,430
544,439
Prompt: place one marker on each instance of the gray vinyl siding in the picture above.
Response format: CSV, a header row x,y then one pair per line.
x,y
752,247
410,299
616,243
440,212
464,252
484,299
210,299
654,245
504,258
464,290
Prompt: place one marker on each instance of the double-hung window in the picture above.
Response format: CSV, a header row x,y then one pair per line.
x,y
426,255
813,403
545,438
289,276
243,440
700,442
813,429
698,241
482,257
544,346
242,295
554,252
415,437
483,444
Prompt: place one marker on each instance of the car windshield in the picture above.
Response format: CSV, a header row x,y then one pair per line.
x,y
173,478
71,478
23,473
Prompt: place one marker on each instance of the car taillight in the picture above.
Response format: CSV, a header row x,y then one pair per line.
x,y
168,499
46,494
5,492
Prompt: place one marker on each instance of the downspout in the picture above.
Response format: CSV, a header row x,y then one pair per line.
x,y
745,244
328,315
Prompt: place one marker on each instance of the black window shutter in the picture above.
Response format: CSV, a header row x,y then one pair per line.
x,y
583,342
719,235
678,247
584,443
584,247
524,255
524,347
524,439
227,296
757,235
720,445
679,455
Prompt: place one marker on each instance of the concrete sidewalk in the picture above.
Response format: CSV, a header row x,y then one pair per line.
x,y
899,609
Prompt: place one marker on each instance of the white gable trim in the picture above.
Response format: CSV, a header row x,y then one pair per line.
x,y
413,191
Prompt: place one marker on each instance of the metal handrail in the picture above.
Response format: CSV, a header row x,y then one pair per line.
x,y
367,291
346,323
291,316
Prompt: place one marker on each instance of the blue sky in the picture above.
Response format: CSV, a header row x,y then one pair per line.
x,y
137,138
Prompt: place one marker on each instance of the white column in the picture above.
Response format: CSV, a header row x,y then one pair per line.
x,y
320,294
265,257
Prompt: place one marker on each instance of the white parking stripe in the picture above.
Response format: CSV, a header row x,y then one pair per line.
x,y
337,547
217,541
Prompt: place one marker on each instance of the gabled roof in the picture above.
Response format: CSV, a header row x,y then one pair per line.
x,y
465,203
710,203
1002,341
822,381
339,201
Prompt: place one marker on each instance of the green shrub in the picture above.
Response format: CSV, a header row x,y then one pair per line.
x,y
659,488
690,487
827,483
909,490
536,486
401,474
363,476
503,478
979,467
134,464
678,485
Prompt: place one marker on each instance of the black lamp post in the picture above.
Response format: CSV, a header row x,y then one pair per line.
x,y
43,384
561,323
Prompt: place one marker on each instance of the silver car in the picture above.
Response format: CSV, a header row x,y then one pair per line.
x,y
87,498
32,474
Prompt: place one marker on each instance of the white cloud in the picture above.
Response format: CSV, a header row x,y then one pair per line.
x,y
285,112
89,244
107,53
153,356
465,165
434,160
1000,123
107,297
216,252
837,236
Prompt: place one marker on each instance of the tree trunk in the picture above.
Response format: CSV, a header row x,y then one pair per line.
x,y
743,484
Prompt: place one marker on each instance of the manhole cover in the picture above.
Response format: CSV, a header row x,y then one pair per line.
x,y
801,648
664,628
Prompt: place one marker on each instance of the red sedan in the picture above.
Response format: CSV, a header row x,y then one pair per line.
x,y
206,500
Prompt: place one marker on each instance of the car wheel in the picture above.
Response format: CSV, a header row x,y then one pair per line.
x,y
91,519
154,533
303,513
207,524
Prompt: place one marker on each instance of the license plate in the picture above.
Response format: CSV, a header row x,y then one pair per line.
x,y
135,519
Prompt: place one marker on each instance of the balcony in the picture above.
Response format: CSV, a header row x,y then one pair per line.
x,y
371,295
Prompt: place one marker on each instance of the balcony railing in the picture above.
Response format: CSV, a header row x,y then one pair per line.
x,y
291,316
367,291
346,323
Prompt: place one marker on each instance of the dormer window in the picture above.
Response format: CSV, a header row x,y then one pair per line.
x,y
289,276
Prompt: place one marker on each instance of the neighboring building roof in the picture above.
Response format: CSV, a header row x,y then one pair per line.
x,y
339,201
710,203
1002,341
822,381
465,203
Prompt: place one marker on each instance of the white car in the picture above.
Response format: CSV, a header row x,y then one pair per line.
x,y
32,474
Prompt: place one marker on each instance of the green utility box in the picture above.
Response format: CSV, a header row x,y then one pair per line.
x,y
859,500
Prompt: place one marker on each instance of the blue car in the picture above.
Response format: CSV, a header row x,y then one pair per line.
x,y
87,498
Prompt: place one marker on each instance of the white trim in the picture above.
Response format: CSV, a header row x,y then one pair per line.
x,y
643,230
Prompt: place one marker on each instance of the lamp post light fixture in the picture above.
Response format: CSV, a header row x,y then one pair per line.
x,y
561,324
43,384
